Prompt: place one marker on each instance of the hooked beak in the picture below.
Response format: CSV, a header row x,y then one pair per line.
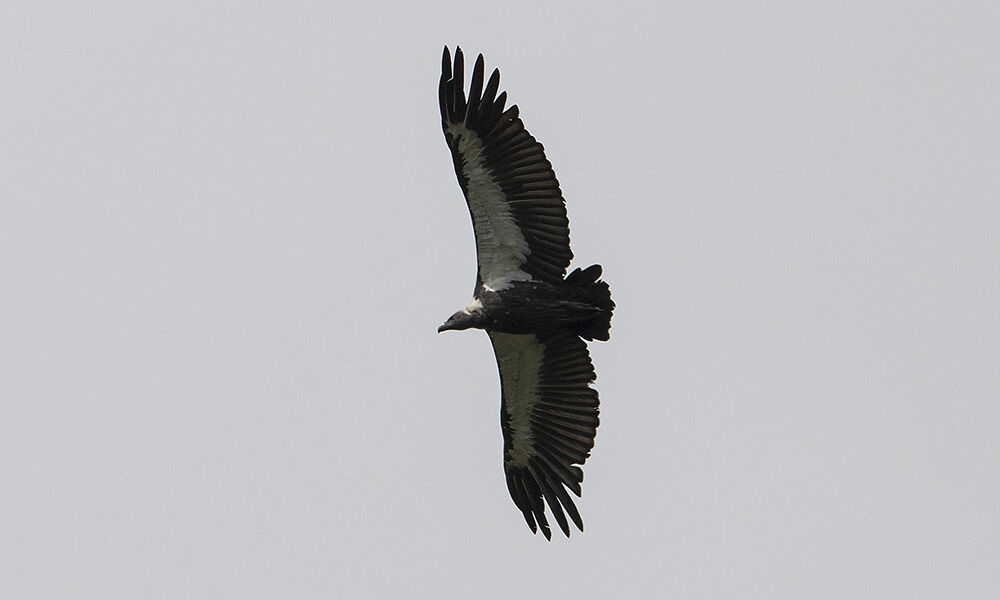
x,y
458,321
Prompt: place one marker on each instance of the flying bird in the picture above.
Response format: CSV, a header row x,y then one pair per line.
x,y
536,316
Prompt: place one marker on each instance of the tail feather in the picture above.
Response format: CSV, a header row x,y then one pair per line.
x,y
598,328
585,277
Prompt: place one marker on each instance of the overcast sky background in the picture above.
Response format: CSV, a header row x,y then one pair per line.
x,y
228,235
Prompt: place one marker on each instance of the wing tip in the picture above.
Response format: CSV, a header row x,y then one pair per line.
x,y
533,490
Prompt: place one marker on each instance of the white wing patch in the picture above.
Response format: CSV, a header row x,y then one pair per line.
x,y
500,245
520,358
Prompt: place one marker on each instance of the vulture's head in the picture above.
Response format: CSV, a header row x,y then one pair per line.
x,y
463,319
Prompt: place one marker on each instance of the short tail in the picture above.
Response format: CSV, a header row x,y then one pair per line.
x,y
599,296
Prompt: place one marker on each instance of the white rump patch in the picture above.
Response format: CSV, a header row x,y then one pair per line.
x,y
520,359
500,246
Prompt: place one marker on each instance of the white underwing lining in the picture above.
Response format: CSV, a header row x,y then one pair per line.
x,y
519,357
500,245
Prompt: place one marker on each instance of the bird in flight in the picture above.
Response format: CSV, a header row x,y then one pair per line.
x,y
538,318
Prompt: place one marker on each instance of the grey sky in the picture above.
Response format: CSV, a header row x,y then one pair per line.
x,y
227,237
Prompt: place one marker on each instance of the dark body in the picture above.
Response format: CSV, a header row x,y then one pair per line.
x,y
581,304
535,307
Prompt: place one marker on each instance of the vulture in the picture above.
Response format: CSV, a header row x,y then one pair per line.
x,y
539,319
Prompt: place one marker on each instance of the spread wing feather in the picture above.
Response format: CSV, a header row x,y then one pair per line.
x,y
518,212
549,418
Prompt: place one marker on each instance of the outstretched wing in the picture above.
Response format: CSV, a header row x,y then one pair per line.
x,y
549,419
518,212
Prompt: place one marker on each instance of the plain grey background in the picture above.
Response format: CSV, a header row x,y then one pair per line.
x,y
229,232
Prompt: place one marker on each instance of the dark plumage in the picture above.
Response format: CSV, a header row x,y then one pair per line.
x,y
536,316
